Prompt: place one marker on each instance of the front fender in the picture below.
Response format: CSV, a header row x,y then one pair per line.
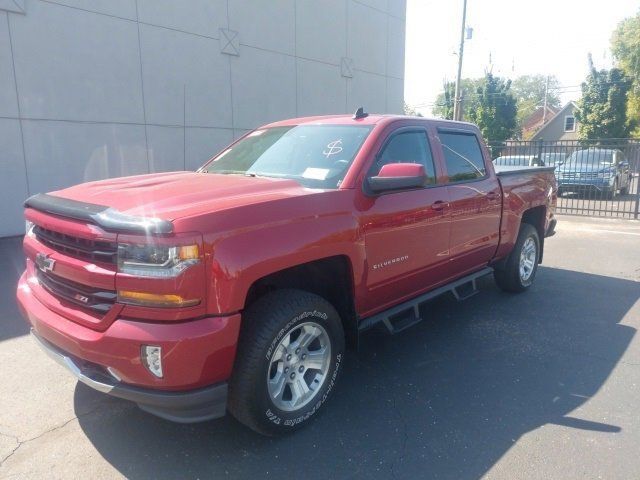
x,y
240,259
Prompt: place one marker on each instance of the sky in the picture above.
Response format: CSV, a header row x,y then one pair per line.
x,y
510,37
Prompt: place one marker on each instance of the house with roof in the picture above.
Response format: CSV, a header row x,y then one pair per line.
x,y
561,125
536,120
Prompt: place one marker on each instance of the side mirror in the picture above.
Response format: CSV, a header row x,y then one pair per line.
x,y
398,176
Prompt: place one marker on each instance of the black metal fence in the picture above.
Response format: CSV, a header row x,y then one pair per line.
x,y
595,177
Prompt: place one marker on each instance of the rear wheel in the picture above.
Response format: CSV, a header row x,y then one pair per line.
x,y
519,271
288,359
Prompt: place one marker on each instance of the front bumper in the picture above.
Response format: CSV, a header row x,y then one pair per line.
x,y
585,185
183,407
198,356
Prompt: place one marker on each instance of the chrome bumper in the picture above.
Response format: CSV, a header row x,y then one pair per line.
x,y
183,407
67,362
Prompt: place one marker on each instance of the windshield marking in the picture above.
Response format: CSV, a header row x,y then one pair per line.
x,y
333,148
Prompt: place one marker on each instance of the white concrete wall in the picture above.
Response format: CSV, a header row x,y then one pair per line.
x,y
91,89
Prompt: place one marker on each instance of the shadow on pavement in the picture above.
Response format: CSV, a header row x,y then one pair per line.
x,y
11,266
445,399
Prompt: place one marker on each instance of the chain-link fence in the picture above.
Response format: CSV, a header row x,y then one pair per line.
x,y
595,177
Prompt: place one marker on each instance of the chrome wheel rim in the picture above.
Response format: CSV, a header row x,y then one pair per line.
x,y
299,366
528,257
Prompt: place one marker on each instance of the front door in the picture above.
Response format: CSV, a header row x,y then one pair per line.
x,y
406,232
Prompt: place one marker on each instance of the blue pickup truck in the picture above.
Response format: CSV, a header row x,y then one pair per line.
x,y
595,170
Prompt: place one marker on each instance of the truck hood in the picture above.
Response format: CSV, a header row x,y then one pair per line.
x,y
586,168
173,195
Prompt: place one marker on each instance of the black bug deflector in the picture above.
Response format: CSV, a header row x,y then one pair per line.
x,y
108,218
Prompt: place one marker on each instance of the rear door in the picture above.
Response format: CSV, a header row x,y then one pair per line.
x,y
475,201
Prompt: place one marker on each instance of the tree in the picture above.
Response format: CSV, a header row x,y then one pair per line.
x,y
603,106
495,109
529,91
443,107
625,46
409,110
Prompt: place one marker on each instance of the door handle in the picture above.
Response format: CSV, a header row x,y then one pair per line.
x,y
493,196
439,205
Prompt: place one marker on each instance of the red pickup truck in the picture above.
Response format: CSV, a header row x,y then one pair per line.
x,y
239,286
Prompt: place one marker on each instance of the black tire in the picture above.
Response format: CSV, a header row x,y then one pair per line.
x,y
508,275
265,323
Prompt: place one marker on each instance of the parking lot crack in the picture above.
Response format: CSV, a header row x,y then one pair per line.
x,y
20,443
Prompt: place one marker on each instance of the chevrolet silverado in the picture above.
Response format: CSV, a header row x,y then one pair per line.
x,y
238,287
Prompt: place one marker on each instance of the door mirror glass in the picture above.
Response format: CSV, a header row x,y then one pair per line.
x,y
398,176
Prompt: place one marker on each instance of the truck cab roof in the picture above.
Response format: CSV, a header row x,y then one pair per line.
x,y
371,119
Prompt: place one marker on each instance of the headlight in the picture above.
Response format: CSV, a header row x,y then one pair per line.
x,y
156,260
28,228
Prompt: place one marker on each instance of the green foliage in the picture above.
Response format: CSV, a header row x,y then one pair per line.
x,y
625,46
529,91
603,106
445,100
409,110
495,109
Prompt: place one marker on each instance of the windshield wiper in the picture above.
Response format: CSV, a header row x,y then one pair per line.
x,y
267,175
225,172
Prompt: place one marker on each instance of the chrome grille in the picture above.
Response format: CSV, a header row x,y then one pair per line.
x,y
85,249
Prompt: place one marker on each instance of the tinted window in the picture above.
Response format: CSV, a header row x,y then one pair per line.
x,y
463,156
408,147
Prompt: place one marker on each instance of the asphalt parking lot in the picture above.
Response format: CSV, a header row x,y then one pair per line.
x,y
540,385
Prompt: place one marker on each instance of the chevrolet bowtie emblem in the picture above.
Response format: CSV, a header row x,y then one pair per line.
x,y
45,263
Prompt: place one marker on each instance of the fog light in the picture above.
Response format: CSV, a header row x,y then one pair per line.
x,y
152,359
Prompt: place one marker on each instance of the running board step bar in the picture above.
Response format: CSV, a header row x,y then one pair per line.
x,y
407,314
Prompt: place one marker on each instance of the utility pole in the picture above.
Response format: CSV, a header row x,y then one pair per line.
x,y
457,106
546,95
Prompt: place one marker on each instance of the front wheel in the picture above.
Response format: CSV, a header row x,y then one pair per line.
x,y
624,190
288,359
611,193
519,271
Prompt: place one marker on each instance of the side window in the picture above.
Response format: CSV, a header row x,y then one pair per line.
x,y
463,156
408,147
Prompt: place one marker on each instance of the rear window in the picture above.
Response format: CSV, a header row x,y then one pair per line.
x,y
463,156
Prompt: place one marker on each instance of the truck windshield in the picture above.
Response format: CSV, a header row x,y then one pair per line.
x,y
316,156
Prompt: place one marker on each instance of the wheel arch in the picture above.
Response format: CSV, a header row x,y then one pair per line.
x,y
536,217
330,278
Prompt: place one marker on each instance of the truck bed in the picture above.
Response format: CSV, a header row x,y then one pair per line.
x,y
502,170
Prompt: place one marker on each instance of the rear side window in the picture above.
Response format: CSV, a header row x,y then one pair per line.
x,y
462,156
407,147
